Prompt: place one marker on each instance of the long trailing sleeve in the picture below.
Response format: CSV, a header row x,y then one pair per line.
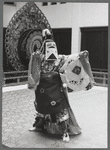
x,y
34,71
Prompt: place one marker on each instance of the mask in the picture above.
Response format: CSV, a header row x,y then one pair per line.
x,y
51,51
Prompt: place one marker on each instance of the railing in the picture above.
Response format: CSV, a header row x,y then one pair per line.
x,y
101,78
21,77
15,78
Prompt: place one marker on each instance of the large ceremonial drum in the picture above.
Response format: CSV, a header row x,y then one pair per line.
x,y
24,35
50,96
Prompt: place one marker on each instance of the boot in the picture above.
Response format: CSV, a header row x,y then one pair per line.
x,y
38,124
66,137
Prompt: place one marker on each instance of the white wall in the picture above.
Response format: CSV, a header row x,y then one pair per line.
x,y
9,11
7,14
94,14
76,17
69,15
59,16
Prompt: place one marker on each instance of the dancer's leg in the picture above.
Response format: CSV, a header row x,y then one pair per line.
x,y
65,131
38,124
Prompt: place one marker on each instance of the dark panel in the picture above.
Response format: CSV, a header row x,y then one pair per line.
x,y
9,3
95,40
62,38
53,3
44,3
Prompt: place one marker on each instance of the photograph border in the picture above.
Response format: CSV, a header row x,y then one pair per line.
x,y
1,60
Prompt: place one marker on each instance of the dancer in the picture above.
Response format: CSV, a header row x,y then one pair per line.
x,y
46,77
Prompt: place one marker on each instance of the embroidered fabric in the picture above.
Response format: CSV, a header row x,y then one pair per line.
x,y
64,121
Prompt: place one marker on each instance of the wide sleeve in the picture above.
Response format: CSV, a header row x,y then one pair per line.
x,y
84,58
76,72
34,71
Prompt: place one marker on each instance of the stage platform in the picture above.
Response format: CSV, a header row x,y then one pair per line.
x,y
90,109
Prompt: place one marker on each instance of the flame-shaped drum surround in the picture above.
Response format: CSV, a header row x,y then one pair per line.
x,y
23,35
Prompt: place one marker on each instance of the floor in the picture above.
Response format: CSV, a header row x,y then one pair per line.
x,y
89,107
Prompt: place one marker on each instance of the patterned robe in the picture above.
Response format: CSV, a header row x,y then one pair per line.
x,y
38,65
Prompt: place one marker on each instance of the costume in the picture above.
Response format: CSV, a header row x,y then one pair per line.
x,y
50,75
51,82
